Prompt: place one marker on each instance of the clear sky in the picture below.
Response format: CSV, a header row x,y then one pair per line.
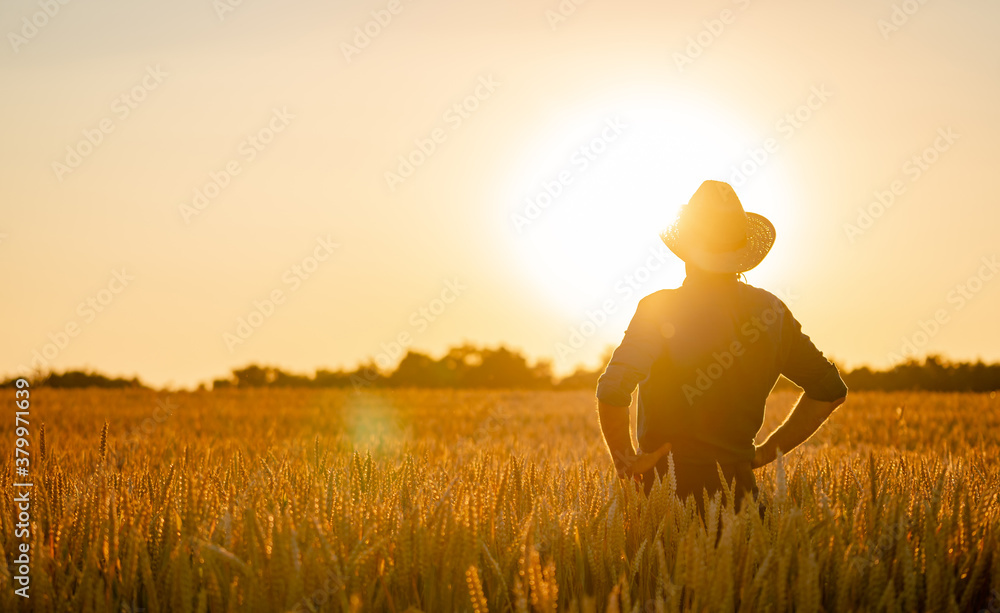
x,y
167,168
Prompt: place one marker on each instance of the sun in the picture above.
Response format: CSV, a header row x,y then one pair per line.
x,y
591,197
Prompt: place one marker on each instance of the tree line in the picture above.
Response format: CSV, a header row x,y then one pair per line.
x,y
468,366
76,378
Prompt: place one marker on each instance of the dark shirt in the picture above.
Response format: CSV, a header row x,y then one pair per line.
x,y
705,357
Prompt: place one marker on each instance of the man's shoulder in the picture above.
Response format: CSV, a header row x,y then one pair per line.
x,y
763,303
764,297
659,297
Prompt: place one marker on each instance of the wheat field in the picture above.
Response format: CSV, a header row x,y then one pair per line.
x,y
406,500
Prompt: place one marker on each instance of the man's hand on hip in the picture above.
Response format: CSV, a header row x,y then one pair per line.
x,y
615,427
635,465
763,455
806,417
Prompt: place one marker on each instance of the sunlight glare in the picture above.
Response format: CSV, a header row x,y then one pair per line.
x,y
604,184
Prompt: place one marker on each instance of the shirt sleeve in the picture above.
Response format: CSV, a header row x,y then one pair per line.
x,y
805,365
632,360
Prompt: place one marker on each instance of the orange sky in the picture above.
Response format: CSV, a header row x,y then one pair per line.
x,y
170,168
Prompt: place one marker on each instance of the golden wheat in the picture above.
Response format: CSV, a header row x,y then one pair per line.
x,y
285,500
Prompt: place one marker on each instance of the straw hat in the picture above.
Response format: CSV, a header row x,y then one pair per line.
x,y
713,232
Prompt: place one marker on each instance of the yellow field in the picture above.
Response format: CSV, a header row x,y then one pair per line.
x,y
503,501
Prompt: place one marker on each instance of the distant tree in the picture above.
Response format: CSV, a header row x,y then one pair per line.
x,y
78,378
933,374
421,370
253,376
326,378
367,375
460,360
580,379
503,368
280,378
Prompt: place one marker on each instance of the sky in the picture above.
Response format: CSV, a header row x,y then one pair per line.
x,y
192,186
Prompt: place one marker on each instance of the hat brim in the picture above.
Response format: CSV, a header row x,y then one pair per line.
x,y
760,239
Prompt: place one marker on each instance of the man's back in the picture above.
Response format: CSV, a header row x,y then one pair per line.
x,y
705,357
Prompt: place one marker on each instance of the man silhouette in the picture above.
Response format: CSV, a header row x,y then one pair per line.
x,y
705,357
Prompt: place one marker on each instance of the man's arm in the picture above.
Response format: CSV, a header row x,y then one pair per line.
x,y
630,364
824,391
806,417
615,427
